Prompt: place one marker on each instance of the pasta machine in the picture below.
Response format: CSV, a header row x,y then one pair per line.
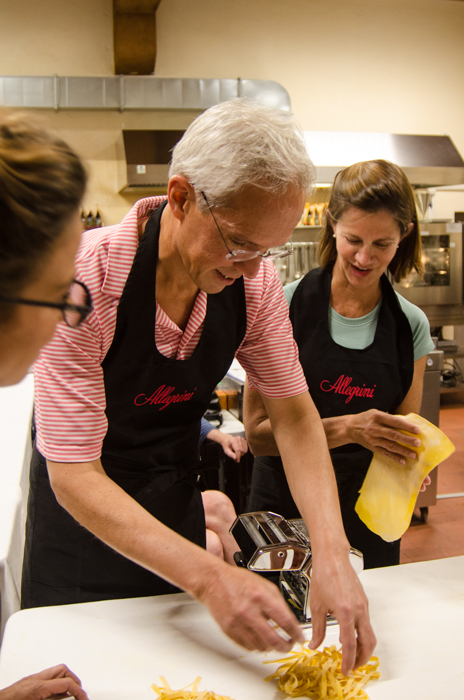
x,y
281,550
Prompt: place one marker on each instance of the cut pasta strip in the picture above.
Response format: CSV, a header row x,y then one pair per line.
x,y
190,692
318,675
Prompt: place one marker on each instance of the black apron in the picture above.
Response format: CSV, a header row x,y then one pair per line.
x,y
345,381
151,449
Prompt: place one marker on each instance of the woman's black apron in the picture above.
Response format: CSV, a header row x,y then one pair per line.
x,y
344,381
154,408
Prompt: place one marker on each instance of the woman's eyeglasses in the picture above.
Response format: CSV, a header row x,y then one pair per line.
x,y
74,310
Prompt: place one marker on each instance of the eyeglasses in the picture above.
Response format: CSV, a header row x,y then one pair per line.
x,y
271,254
74,311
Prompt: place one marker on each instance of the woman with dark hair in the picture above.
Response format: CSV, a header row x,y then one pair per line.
x,y
362,346
42,182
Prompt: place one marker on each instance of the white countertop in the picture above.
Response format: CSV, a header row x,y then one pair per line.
x,y
119,648
237,372
15,450
231,425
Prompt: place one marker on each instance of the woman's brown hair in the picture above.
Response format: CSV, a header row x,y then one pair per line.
x,y
372,186
42,183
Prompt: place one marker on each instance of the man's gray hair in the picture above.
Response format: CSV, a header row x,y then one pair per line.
x,y
240,143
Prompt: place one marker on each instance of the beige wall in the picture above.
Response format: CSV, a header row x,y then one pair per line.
x,y
44,37
373,65
97,137
357,65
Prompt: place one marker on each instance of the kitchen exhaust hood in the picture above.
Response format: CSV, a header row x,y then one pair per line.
x,y
148,154
427,161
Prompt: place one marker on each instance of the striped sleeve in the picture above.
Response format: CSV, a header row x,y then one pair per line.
x,y
70,397
269,353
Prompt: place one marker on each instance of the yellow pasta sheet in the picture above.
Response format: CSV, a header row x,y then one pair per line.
x,y
389,492
318,675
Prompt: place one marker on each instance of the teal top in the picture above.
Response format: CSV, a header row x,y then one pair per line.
x,y
358,333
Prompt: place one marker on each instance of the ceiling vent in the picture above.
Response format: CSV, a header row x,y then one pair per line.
x,y
135,92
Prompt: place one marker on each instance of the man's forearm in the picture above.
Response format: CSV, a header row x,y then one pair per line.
x,y
261,440
303,447
258,428
240,601
335,587
102,507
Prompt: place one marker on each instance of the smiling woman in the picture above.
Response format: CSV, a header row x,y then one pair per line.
x,y
42,182
372,188
362,347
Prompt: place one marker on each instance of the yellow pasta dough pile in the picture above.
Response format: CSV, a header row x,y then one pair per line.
x,y
318,675
190,692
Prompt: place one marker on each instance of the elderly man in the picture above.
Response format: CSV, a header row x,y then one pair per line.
x,y
180,287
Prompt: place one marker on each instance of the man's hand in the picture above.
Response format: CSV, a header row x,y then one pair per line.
x,y
336,589
59,681
380,432
249,610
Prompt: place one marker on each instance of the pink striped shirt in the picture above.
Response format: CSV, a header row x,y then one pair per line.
x,y
69,389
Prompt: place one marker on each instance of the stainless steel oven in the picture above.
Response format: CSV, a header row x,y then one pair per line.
x,y
443,265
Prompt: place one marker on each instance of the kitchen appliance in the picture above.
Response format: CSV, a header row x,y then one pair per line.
x,y
441,258
271,545
430,410
443,269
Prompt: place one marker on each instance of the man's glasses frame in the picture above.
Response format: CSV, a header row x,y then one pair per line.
x,y
73,314
244,255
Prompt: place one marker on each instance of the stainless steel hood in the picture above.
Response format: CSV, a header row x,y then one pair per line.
x,y
148,155
428,161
